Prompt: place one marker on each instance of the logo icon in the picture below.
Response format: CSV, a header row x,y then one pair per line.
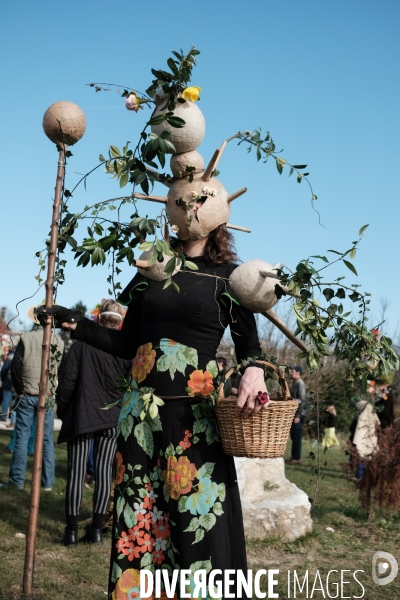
x,y
385,564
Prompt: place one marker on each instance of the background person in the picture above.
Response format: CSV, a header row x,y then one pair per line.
x,y
298,392
8,391
329,439
25,374
87,384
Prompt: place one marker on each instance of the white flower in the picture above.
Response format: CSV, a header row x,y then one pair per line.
x,y
213,192
160,544
194,194
156,514
152,494
139,510
206,190
175,228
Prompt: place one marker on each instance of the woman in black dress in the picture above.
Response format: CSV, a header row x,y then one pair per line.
x,y
177,503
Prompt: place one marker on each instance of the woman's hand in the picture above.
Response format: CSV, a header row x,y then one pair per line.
x,y
251,383
63,317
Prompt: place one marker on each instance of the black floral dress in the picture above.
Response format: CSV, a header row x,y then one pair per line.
x,y
177,503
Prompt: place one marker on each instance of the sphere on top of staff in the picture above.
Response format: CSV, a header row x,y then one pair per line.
x,y
64,123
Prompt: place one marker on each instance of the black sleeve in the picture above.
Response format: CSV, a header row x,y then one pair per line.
x,y
244,333
122,343
68,375
5,369
17,365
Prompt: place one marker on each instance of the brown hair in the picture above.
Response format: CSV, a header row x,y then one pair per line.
x,y
220,247
111,321
331,409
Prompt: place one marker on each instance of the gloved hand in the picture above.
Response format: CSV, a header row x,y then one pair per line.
x,y
61,315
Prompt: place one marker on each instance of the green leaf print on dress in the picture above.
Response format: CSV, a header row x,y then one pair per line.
x,y
144,436
176,357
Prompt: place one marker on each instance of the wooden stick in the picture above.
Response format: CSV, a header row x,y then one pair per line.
x,y
237,194
212,165
163,181
238,228
43,382
273,317
163,199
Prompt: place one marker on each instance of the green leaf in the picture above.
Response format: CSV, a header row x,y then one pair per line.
x,y
363,228
218,510
170,266
101,158
116,572
350,266
193,525
144,436
191,265
221,492
212,368
206,470
341,293
321,257
182,504
328,293
146,246
352,253
158,119
114,151
176,122
120,506
146,560
207,521
199,536
124,179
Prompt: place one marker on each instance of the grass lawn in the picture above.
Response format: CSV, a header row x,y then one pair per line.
x,y
81,573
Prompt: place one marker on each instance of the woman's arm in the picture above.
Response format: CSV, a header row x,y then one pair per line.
x,y
122,343
245,337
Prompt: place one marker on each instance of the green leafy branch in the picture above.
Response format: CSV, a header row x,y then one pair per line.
x,y
351,340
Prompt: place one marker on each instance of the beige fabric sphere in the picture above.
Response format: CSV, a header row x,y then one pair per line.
x,y
214,211
179,162
156,272
254,291
64,122
185,138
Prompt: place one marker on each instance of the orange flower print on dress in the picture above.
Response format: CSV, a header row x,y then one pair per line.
x,y
144,521
185,442
200,384
158,556
179,475
120,469
143,362
146,543
128,583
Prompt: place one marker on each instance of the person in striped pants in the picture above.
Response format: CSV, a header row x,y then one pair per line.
x,y
86,385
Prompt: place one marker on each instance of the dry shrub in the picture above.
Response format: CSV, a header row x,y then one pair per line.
x,y
380,483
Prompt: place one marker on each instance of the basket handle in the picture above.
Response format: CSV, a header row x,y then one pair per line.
x,y
282,381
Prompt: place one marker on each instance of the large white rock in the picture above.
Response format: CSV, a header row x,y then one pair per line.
x,y
272,505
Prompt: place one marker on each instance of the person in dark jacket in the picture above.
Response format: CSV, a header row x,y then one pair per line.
x,y
7,391
87,384
298,392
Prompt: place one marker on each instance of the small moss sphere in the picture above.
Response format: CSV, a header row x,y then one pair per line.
x,y
64,122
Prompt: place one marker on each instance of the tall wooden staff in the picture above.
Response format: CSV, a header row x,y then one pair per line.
x,y
64,123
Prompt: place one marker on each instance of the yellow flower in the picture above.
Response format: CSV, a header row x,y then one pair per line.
x,y
179,475
143,362
129,581
191,93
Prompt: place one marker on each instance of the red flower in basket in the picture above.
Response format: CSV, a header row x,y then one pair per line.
x,y
263,398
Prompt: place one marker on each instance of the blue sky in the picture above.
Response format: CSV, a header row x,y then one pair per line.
x,y
321,77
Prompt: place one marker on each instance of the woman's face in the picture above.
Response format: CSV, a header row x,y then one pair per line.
x,y
196,206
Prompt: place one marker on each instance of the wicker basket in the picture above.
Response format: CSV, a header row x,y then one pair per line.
x,y
261,436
